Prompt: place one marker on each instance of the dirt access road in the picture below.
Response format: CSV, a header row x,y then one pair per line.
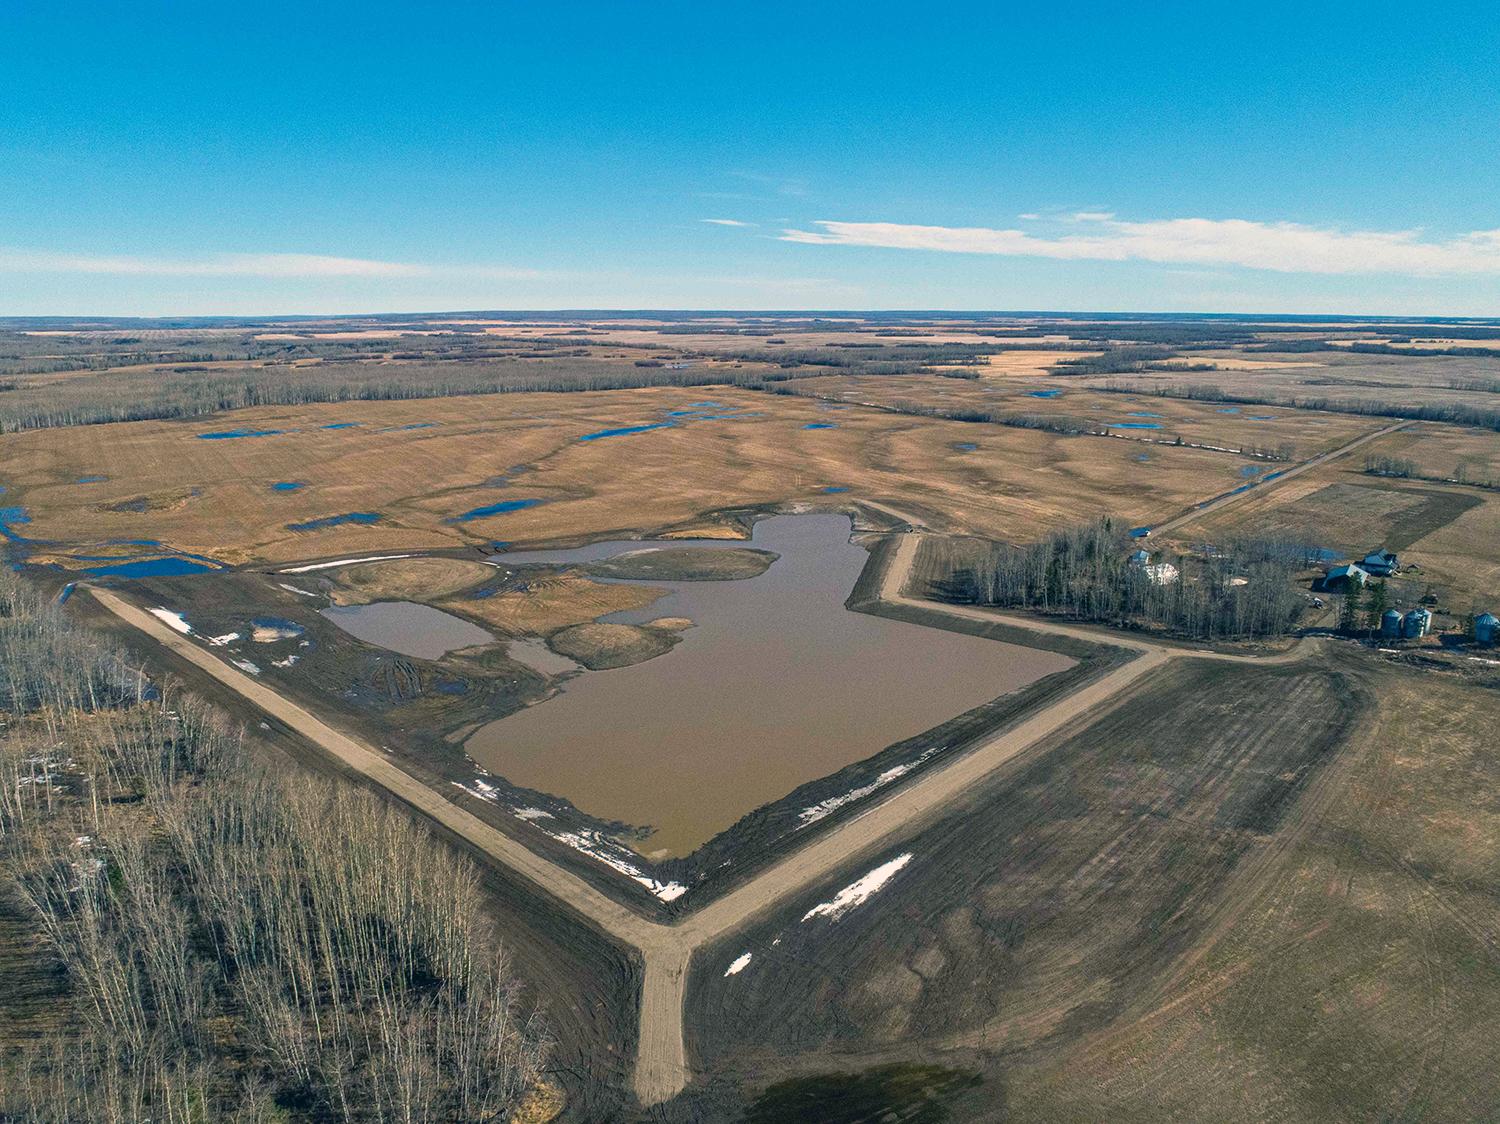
x,y
666,950
1311,463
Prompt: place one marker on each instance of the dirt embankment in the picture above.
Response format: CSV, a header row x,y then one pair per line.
x,y
406,579
685,564
601,646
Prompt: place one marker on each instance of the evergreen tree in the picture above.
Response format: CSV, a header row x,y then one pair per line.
x,y
1349,612
1377,601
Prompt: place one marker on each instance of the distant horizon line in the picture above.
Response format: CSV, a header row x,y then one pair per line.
x,y
230,319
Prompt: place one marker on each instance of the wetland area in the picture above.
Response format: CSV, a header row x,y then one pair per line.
x,y
775,685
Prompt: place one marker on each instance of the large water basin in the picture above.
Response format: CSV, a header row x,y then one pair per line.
x,y
777,684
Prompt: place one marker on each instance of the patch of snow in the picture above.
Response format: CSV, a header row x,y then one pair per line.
x,y
294,589
826,807
740,964
857,893
291,659
175,621
246,665
220,641
611,854
592,843
340,562
479,790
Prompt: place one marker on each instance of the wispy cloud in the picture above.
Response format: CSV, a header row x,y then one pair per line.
x,y
726,222
779,185
1283,247
210,265
274,266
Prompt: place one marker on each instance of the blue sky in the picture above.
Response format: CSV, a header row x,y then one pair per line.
x,y
199,158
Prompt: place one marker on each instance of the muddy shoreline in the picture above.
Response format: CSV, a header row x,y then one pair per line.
x,y
421,732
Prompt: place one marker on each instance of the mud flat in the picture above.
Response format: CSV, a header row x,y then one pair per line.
x,y
776,685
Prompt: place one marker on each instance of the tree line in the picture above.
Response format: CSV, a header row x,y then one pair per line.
x,y
1454,413
234,948
1241,591
197,391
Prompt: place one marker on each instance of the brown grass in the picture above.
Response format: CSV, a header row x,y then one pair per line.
x,y
1018,484
1451,531
407,578
599,646
549,604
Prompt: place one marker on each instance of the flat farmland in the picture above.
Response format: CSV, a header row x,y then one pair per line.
x,y
276,484
1143,417
1359,978
1448,529
1389,380
1050,905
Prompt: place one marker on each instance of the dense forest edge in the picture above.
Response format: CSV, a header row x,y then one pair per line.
x,y
225,945
1239,590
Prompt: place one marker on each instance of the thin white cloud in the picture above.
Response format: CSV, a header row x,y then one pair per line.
x,y
1029,216
726,222
273,266
1092,216
781,185
210,265
1283,247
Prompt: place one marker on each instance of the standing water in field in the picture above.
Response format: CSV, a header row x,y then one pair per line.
x,y
777,684
408,628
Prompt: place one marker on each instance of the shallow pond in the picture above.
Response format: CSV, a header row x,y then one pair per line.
x,y
406,627
777,684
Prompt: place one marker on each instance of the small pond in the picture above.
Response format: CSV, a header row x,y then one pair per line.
x,y
406,627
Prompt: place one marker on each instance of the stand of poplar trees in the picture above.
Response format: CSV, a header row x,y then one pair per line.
x,y
234,948
1242,590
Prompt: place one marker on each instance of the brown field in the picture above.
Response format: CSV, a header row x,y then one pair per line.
x,y
1449,530
1244,895
1232,362
1359,981
1027,362
214,497
1435,380
1228,427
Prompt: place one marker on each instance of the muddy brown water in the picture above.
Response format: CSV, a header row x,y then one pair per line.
x,y
408,628
776,685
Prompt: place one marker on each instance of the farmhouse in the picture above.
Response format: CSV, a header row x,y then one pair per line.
x,y
1348,575
1162,573
1380,563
